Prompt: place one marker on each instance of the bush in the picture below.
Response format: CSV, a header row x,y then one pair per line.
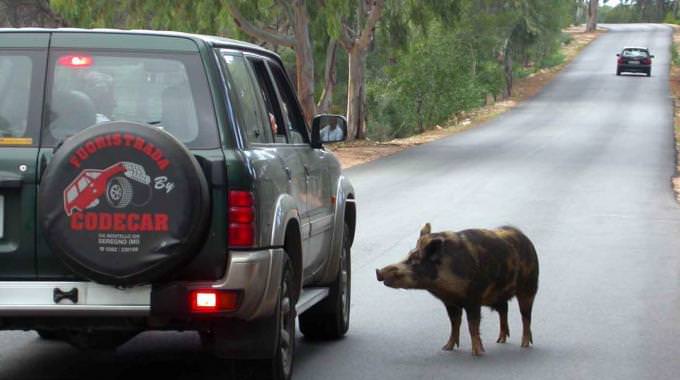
x,y
432,80
675,56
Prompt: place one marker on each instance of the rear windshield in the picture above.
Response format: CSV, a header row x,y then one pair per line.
x,y
17,71
635,53
169,91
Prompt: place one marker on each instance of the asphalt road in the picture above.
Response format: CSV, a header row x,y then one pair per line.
x,y
584,169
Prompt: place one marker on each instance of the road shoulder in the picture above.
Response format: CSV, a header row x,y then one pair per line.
x,y
674,78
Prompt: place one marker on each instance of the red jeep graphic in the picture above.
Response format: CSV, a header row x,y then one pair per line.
x,y
90,185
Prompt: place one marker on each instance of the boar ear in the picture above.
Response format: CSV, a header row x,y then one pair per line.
x,y
426,230
432,247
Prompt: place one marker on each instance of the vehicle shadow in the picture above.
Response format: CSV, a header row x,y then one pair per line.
x,y
152,355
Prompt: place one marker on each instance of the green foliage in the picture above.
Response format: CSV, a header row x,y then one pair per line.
x,y
429,82
671,19
198,16
622,13
430,59
450,64
675,56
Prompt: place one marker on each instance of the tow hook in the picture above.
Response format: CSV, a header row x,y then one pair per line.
x,y
72,295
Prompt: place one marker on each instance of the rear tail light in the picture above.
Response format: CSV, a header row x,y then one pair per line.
x,y
620,61
75,61
241,219
646,61
213,301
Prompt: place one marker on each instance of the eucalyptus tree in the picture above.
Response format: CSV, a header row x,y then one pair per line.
x,y
198,16
21,13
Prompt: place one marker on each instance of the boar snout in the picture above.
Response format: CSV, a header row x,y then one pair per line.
x,y
379,275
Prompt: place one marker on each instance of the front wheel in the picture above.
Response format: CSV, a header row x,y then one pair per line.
x,y
329,319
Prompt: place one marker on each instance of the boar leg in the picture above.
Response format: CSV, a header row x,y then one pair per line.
x,y
525,304
502,309
455,314
474,315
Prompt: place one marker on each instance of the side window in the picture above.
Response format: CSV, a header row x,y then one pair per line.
x,y
15,79
272,107
293,119
248,96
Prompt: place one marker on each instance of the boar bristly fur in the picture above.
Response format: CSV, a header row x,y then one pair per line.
x,y
470,269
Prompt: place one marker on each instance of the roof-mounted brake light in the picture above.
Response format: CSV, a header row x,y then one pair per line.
x,y
75,61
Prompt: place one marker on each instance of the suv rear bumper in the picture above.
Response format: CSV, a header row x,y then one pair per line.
x,y
254,274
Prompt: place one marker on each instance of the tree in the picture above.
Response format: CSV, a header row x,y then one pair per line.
x,y
591,24
292,30
21,13
198,16
356,35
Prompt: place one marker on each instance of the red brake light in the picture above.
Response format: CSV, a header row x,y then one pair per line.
x,y
212,301
646,61
75,61
240,198
241,219
620,60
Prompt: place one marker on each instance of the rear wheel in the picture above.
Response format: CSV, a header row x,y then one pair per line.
x,y
649,73
280,366
618,72
329,319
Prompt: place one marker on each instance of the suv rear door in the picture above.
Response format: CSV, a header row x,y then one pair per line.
x,y
22,71
94,77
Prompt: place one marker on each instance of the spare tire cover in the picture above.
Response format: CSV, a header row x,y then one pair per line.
x,y
123,203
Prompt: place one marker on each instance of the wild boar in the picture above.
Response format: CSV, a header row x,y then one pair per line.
x,y
470,269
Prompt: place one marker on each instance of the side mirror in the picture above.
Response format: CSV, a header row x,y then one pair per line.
x,y
328,129
651,56
618,54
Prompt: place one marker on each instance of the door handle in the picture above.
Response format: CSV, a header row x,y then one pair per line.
x,y
10,180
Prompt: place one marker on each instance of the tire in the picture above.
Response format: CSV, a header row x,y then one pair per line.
x,y
618,72
649,73
280,366
119,192
89,190
329,319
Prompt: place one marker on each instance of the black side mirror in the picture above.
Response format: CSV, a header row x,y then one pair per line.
x,y
651,56
618,54
328,129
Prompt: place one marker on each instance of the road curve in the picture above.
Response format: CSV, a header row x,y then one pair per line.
x,y
583,168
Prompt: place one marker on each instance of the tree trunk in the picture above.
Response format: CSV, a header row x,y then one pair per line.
x,y
300,42
330,78
356,121
357,43
304,59
507,69
24,13
591,25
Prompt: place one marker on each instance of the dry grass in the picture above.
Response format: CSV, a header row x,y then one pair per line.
x,y
359,152
675,91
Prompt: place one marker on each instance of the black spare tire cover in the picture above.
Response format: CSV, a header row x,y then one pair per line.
x,y
123,203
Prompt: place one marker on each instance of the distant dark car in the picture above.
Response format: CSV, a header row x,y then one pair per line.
x,y
634,60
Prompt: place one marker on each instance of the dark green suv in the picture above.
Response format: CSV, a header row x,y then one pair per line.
x,y
167,181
